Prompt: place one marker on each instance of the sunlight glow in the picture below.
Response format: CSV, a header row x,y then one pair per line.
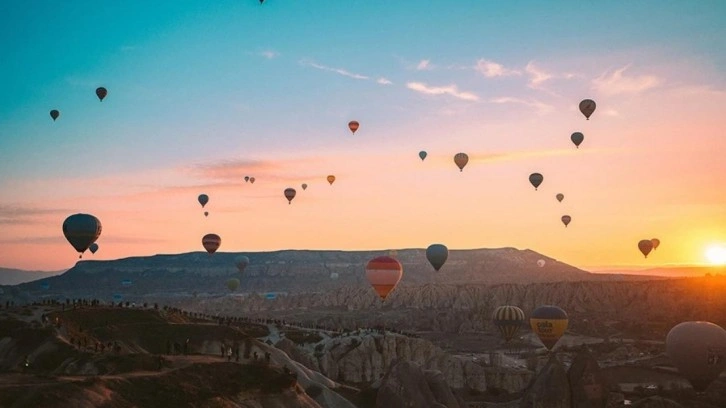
x,y
716,254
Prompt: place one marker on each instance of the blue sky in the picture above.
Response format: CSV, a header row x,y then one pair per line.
x,y
235,83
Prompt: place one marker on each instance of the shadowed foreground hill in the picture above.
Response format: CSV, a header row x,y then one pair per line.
x,y
294,272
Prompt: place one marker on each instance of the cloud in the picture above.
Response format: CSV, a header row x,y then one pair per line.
x,y
339,71
541,107
269,54
17,215
384,81
613,83
424,65
537,75
452,90
491,69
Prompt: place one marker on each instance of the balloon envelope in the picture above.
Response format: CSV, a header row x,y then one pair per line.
x,y
549,324
384,273
241,262
422,154
203,199
577,138
560,197
509,320
656,243
206,213
587,107
211,243
566,220
536,179
247,179
54,114
252,180
353,125
698,350
461,159
93,248
290,194
437,255
101,92
541,263
645,246
304,186
233,284
331,179
81,230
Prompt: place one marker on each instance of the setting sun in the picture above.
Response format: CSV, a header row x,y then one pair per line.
x,y
716,254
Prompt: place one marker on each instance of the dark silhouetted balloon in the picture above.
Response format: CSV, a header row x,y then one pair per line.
x,y
353,125
422,154
54,114
587,107
566,220
203,199
290,194
560,197
461,159
437,255
211,243
101,92
698,350
304,186
536,179
577,138
93,248
81,230
645,246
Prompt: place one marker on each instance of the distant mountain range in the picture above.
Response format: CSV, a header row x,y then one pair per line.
x,y
15,276
293,271
668,271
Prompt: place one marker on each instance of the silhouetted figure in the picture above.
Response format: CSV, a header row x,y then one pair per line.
x,y
186,347
267,357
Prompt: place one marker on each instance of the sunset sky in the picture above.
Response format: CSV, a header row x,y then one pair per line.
x,y
202,94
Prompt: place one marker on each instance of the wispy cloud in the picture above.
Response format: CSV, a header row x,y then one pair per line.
x,y
18,215
537,76
424,65
541,107
491,69
269,54
384,81
616,82
452,90
339,71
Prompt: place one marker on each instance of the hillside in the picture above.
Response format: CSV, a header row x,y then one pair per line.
x,y
293,272
10,276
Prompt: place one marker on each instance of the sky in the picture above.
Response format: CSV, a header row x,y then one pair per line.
x,y
201,95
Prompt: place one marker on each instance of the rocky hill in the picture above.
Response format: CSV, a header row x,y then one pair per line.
x,y
293,272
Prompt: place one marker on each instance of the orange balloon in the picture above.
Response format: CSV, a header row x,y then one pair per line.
x,y
384,273
331,179
353,125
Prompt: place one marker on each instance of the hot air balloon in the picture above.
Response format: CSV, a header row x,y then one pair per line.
x,y
422,154
566,220
645,246
290,194
536,179
461,159
437,255
101,92
353,126
656,243
206,213
509,320
262,1
587,107
203,199
211,243
233,284
331,179
81,230
241,262
54,114
698,350
384,273
247,179
549,323
93,248
560,197
304,186
577,138
252,180
541,263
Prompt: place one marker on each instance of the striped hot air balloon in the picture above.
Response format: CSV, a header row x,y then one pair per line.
x,y
509,320
549,324
384,273
211,243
